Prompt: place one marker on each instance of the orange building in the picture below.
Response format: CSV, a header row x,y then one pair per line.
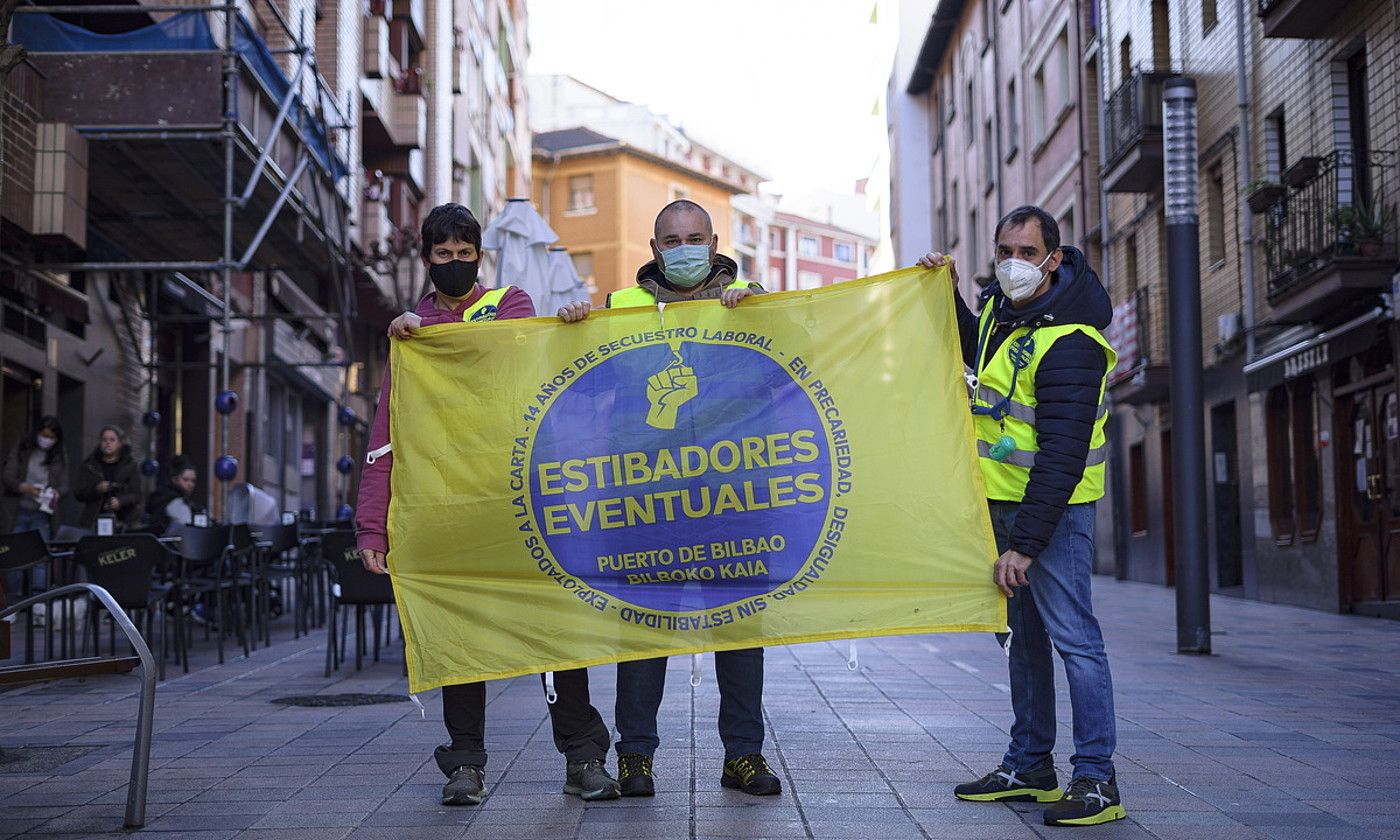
x,y
602,195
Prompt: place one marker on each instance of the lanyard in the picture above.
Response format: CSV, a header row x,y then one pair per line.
x,y
1019,361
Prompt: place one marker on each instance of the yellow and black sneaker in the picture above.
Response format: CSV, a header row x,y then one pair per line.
x,y
752,775
1006,785
1087,802
634,774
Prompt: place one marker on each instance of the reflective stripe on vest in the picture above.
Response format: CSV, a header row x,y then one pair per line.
x,y
487,305
637,296
997,384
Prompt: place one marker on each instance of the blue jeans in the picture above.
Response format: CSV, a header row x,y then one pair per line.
x,y
30,520
740,677
1055,610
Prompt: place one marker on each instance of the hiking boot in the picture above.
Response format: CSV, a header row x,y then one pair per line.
x,y
751,774
589,780
634,774
1087,802
1006,785
466,786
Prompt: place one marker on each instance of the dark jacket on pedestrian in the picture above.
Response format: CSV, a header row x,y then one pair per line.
x,y
157,504
126,488
722,273
1067,387
14,473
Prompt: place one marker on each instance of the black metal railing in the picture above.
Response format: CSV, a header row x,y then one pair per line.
x,y
1345,210
1132,111
1136,346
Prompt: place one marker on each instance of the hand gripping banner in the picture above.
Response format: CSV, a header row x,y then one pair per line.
x,y
652,482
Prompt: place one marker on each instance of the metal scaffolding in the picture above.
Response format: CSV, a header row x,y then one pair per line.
x,y
237,198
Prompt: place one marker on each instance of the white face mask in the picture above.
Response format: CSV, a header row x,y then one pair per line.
x,y
1019,278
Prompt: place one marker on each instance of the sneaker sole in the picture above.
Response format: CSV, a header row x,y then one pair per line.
x,y
1109,814
735,784
639,792
463,799
592,795
1018,795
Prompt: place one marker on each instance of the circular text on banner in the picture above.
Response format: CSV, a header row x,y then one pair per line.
x,y
682,475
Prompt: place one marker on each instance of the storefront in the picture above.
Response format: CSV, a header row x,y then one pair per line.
x,y
1328,467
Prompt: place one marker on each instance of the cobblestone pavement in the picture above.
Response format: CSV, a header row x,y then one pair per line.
x,y
1291,731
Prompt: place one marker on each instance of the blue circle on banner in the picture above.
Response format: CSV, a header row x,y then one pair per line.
x,y
682,478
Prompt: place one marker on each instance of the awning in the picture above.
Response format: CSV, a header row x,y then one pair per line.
x,y
1316,352
69,303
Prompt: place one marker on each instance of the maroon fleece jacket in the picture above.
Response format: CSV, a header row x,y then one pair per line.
x,y
372,507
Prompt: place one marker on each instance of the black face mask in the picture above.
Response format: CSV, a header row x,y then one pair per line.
x,y
454,278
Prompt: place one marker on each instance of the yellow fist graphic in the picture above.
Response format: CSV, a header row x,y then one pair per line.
x,y
670,389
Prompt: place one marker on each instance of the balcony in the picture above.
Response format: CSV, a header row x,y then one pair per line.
x,y
375,50
1298,18
1133,133
408,118
1138,334
1332,238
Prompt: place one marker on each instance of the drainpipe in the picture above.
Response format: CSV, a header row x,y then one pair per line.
x,y
996,106
1246,173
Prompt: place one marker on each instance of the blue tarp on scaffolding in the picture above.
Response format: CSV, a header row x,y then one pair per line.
x,y
41,33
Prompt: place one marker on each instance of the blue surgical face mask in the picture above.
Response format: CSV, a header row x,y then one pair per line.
x,y
686,266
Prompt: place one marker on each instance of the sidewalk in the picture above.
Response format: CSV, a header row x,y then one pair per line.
x,y
1291,731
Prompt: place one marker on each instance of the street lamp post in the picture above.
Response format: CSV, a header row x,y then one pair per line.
x,y
1188,419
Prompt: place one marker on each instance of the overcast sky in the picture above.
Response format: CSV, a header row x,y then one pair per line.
x,y
785,87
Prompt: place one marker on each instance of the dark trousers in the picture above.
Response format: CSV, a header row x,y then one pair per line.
x,y
579,731
739,673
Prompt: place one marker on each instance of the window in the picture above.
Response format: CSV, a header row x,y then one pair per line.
x,y
583,264
1125,59
1013,121
844,252
974,242
953,217
1279,470
1068,235
581,194
809,280
1215,215
1065,69
1208,16
808,246
775,278
989,155
969,120
940,223
1307,471
1130,257
1038,106
1291,416
775,239
1275,145
1161,37
1137,485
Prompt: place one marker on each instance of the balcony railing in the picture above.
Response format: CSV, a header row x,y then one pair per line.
x,y
1137,334
1133,134
1344,213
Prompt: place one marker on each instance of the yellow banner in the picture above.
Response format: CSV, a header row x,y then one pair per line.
x,y
646,483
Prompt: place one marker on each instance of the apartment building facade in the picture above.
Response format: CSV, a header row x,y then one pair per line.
x,y
1297,136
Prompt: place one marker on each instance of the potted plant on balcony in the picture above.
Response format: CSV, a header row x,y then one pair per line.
x,y
1371,221
1262,194
1343,222
1303,170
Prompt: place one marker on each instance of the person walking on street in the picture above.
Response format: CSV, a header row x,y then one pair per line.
x,y
1040,368
451,247
34,477
110,483
687,266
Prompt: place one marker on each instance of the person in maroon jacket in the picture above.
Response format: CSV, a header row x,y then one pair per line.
x,y
450,249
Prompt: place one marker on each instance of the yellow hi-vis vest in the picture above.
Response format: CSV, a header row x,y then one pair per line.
x,y
1013,409
637,296
486,306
